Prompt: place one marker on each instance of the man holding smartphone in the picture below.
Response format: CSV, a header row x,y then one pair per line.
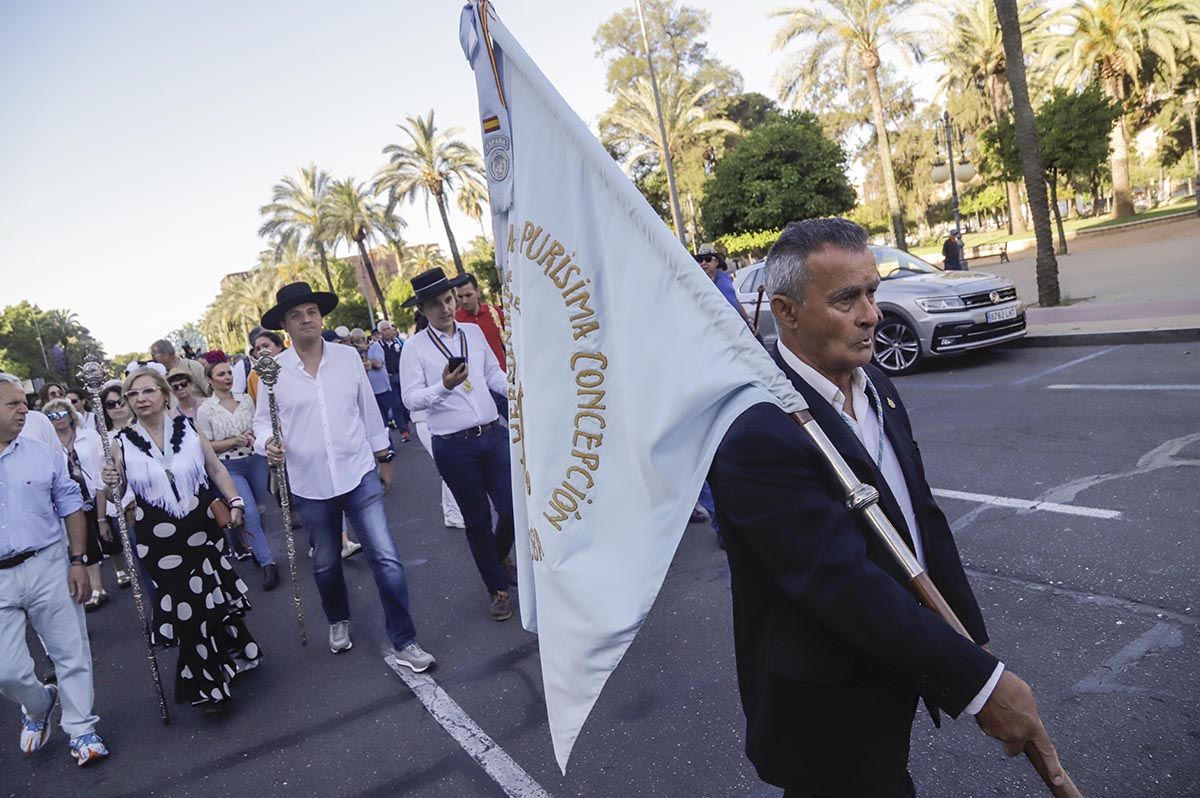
x,y
449,370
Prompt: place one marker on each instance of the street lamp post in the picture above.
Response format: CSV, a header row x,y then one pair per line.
x,y
962,171
1190,102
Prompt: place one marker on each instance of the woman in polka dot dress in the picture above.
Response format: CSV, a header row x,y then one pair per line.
x,y
200,601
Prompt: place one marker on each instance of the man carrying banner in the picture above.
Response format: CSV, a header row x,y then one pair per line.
x,y
449,370
832,651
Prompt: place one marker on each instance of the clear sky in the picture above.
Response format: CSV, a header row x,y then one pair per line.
x,y
138,139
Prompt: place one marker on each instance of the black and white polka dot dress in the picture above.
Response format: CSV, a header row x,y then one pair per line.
x,y
200,600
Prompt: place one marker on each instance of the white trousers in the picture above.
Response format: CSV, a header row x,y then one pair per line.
x,y
37,590
450,511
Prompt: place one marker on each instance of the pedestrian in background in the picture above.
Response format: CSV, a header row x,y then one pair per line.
x,y
228,423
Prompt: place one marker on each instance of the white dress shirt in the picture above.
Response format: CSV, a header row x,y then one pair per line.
x,y
330,423
421,366
866,427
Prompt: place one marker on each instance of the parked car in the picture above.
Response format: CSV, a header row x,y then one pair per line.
x,y
927,311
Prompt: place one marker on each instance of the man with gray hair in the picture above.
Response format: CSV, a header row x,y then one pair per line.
x,y
832,651
43,582
163,351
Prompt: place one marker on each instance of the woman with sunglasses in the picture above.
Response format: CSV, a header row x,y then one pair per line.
x,y
172,471
187,402
85,459
227,421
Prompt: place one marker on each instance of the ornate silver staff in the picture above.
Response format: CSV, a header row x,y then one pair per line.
x,y
92,375
268,372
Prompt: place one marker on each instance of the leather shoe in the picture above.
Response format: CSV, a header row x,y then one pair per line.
x,y
270,576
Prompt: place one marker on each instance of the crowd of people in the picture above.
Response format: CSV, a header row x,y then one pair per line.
x,y
823,623
196,462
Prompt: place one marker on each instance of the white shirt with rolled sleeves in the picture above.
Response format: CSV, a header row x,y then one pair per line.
x,y
330,423
866,427
421,367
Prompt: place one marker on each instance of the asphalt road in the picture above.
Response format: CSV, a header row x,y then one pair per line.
x,y
1099,613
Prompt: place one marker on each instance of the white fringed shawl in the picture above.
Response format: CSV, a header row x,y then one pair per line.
x,y
147,471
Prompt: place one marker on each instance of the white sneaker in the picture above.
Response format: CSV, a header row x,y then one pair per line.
x,y
339,637
350,549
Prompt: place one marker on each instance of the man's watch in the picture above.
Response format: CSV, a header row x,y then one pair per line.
x,y
386,457
77,559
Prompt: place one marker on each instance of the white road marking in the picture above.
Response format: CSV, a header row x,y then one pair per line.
x,y
1071,387
1026,504
1104,679
1064,366
511,777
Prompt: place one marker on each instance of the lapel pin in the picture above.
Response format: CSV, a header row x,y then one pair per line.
x,y
891,404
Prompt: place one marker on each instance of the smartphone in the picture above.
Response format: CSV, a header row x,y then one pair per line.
x,y
454,363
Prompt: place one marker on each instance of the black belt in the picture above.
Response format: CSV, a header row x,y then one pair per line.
x,y
469,432
16,559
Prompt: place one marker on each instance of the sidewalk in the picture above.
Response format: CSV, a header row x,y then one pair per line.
x,y
1139,285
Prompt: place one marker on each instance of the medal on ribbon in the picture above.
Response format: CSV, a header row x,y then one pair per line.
x,y
445,350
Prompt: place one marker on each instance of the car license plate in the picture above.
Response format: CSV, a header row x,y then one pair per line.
x,y
1003,314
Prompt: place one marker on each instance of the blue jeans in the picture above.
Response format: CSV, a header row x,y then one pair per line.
x,y
364,507
399,409
476,469
249,475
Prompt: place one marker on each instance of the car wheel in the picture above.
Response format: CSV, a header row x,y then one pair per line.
x,y
897,347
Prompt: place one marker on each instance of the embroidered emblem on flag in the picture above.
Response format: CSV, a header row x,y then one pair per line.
x,y
491,124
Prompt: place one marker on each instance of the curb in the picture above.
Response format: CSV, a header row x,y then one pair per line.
x,y
1153,336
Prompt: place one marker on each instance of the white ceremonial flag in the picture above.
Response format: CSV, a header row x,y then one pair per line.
x,y
626,366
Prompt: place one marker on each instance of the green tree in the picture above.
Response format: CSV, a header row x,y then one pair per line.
x,y
480,257
678,45
853,32
1111,41
780,172
44,344
1031,158
433,164
1073,133
294,217
352,215
972,51
695,89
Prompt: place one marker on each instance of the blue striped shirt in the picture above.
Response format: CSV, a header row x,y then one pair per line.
x,y
35,492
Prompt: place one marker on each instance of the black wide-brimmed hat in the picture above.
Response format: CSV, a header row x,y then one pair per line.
x,y
294,294
431,284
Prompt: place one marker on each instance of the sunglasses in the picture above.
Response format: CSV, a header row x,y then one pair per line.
x,y
132,396
179,386
58,415
113,404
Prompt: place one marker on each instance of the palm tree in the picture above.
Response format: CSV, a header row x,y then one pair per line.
x,y
471,199
294,213
1109,41
855,30
351,214
421,258
972,52
631,125
432,163
1031,157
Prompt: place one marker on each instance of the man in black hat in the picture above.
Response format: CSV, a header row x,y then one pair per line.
x,y
449,370
339,461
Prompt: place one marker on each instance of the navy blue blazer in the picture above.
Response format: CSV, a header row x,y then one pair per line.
x,y
832,650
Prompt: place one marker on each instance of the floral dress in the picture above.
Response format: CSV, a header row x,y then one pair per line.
x,y
200,601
